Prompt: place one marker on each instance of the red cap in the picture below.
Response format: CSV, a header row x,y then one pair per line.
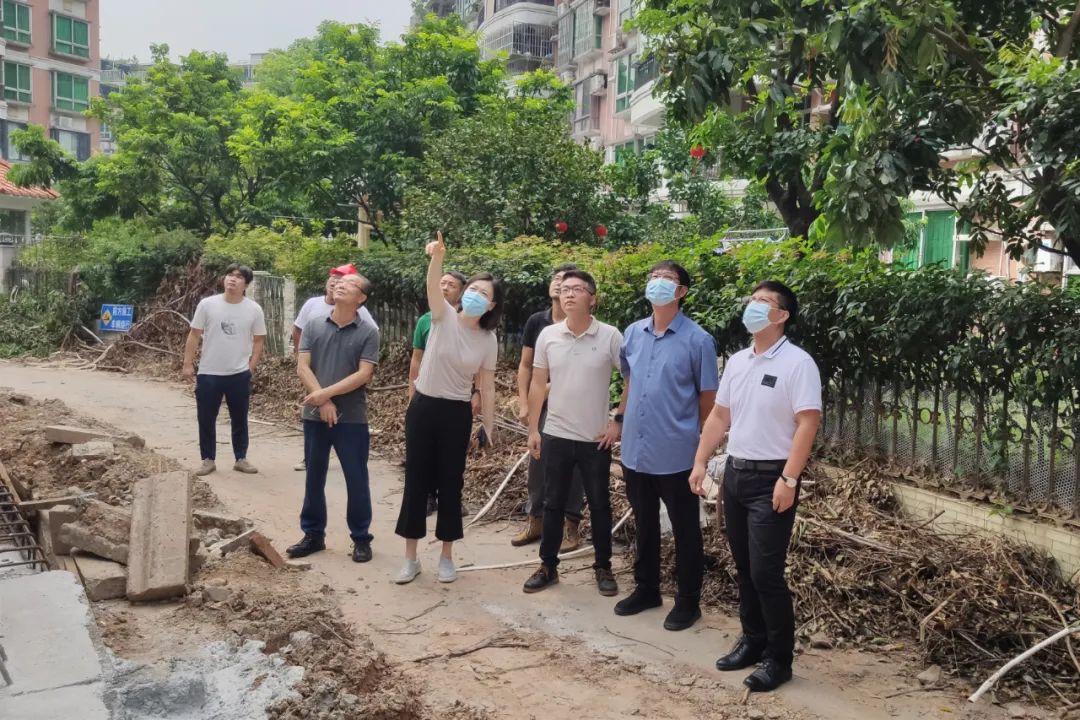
x,y
346,269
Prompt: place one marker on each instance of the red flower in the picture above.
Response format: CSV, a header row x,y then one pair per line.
x,y
561,227
601,231
697,152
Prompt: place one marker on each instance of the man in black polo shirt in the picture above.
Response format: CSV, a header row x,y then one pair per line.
x,y
337,359
534,506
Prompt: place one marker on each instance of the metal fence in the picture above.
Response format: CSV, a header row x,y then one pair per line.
x,y
38,282
396,325
1025,453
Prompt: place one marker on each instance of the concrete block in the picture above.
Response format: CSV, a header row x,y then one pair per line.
x,y
71,435
49,648
78,535
228,524
48,531
223,548
93,450
159,560
261,545
102,579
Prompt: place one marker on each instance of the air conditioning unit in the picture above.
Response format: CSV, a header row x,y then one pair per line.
x,y
598,84
65,123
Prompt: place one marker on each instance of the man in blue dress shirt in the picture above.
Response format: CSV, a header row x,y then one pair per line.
x,y
669,367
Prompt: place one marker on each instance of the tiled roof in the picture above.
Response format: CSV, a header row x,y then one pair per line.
x,y
9,188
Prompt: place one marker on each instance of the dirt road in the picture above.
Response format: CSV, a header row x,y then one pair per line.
x,y
590,663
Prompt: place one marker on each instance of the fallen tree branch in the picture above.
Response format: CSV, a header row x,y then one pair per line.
x,y
1021,658
627,637
495,641
851,537
498,491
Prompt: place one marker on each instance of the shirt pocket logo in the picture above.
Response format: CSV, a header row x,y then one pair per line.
x,y
769,381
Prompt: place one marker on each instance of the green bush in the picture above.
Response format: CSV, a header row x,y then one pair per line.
x,y
36,324
260,248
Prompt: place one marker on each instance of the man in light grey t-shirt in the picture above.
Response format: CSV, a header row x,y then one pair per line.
x,y
232,330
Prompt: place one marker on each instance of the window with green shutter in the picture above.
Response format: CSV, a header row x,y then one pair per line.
x,y
16,22
939,237
17,85
71,92
624,86
71,36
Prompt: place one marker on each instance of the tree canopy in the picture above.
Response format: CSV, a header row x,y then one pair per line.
x,y
841,108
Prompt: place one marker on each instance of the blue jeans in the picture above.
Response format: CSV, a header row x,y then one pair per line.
x,y
350,441
236,389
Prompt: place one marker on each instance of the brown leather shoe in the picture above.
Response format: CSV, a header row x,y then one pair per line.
x,y
571,536
529,534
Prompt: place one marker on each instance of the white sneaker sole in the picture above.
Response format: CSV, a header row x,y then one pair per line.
x,y
448,578
406,579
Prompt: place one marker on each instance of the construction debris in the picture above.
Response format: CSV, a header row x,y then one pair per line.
x,y
223,548
160,531
261,546
102,579
49,525
229,525
101,530
93,450
70,435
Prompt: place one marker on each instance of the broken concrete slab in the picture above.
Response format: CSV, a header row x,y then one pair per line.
x,y
298,564
51,657
102,579
229,525
223,548
159,560
93,450
101,529
216,593
49,523
71,435
261,545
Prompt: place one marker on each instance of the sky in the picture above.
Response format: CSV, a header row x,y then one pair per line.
x,y
237,27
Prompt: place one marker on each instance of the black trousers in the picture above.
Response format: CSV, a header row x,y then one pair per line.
x,y
645,492
209,390
759,537
534,506
436,442
562,458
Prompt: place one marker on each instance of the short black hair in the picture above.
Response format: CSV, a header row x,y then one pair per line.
x,y
564,268
788,301
490,320
244,270
672,266
583,276
459,276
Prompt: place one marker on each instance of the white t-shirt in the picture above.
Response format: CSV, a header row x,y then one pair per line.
x,y
317,307
453,355
579,370
229,330
764,392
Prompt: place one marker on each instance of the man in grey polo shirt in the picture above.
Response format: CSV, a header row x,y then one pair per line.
x,y
770,399
576,356
337,359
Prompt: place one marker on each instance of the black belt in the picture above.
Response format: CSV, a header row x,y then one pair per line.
x,y
761,465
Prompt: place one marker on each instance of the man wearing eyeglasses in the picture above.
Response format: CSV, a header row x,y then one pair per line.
x,y
770,400
576,356
534,506
670,375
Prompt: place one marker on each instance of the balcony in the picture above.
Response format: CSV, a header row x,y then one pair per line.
x,y
527,46
12,240
501,5
646,112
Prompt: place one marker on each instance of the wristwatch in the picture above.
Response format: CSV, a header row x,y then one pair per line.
x,y
789,481
618,418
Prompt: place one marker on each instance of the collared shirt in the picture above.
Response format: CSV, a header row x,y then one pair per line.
x,y
667,374
579,369
336,353
317,307
764,393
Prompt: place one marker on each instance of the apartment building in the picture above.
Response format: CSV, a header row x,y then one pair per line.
x,y
50,56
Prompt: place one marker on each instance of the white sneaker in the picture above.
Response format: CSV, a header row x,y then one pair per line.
x,y
300,466
408,573
447,571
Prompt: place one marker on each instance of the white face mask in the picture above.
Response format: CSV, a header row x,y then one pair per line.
x,y
756,316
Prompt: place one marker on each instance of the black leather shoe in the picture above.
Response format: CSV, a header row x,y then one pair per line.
x,y
541,579
605,582
361,551
309,545
432,505
770,674
638,601
683,615
743,655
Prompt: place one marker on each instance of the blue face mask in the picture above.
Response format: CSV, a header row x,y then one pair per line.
x,y
473,304
660,291
756,317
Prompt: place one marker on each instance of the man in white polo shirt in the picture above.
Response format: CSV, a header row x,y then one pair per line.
x,y
770,400
576,356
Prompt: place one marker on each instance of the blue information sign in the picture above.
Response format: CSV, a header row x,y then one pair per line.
x,y
116,318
